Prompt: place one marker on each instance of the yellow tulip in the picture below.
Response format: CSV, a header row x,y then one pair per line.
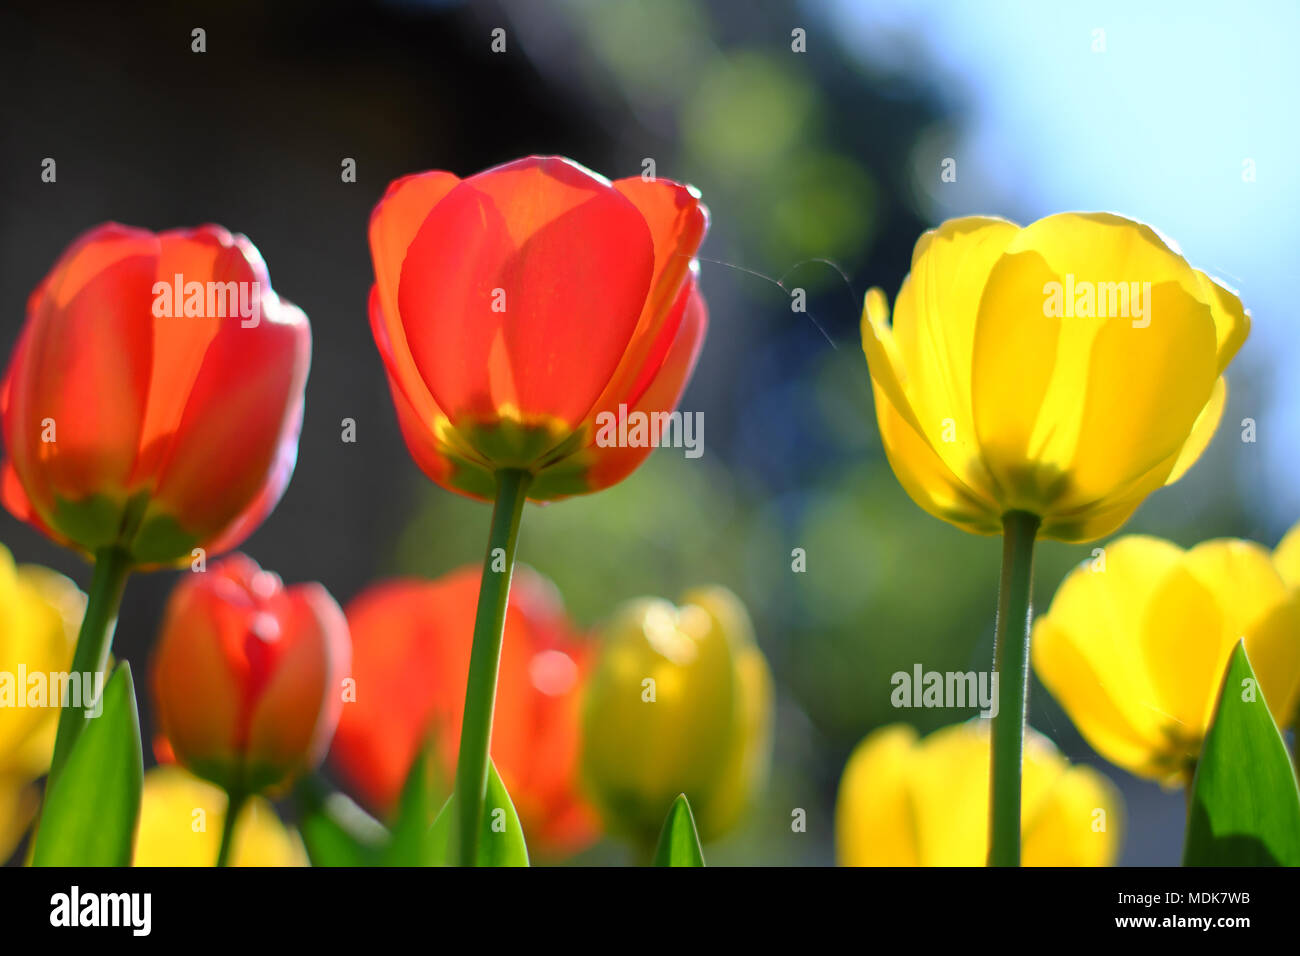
x,y
39,615
1136,641
1066,369
1287,557
909,802
680,702
181,818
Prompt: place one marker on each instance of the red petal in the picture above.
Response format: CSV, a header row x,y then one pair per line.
x,y
667,383
574,260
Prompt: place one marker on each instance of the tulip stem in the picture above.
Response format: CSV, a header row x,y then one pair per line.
x,y
112,566
1011,664
234,806
485,658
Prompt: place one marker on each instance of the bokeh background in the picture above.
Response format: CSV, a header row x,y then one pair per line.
x,y
821,168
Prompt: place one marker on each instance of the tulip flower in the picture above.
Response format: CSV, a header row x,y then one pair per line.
x,y
909,802
410,659
519,313
1287,557
182,819
248,676
151,408
680,702
1042,381
1135,649
39,614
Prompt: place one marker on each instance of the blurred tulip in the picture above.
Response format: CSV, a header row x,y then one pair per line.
x,y
248,675
680,702
1135,649
515,307
181,821
39,614
1005,385
909,802
1287,557
411,647
144,416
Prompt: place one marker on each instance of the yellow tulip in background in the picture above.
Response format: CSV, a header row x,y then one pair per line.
x,y
1042,381
909,802
181,820
40,612
680,702
1136,641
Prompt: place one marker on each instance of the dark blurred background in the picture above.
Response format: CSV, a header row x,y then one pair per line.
x,y
820,167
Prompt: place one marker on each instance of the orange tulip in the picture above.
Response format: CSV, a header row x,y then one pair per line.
x,y
153,401
520,309
412,644
248,675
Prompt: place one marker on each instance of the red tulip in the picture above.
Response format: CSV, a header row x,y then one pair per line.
x,y
515,307
247,676
411,644
155,395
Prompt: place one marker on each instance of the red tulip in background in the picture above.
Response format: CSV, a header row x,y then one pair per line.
x,y
153,400
513,307
247,675
411,648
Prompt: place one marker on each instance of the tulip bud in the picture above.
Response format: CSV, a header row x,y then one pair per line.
x,y
680,702
247,675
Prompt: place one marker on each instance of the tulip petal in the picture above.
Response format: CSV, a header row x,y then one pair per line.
x,y
600,467
874,820
1287,557
1231,319
82,367
934,328
545,268
1087,650
234,450
1116,395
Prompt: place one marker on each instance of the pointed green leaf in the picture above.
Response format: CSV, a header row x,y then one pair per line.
x,y
679,842
411,840
91,810
501,836
337,832
1245,807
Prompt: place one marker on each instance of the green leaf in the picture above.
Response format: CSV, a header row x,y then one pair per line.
x,y
337,832
91,810
411,844
1245,807
679,842
501,835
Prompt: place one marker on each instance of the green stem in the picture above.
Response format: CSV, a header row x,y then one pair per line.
x,y
234,807
1011,664
112,566
485,658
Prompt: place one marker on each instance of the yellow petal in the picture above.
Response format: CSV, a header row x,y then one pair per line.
x,y
934,328
181,818
1087,651
1078,820
1071,411
1202,431
874,825
1287,557
19,800
1231,318
904,802
924,476
1258,606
